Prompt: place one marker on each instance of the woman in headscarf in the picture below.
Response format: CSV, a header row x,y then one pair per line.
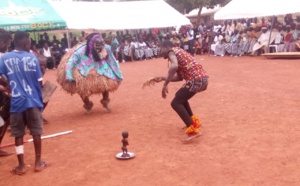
x,y
90,68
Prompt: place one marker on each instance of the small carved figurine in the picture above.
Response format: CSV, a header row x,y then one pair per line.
x,y
125,143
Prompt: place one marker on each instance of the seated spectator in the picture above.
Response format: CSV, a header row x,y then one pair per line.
x,y
262,41
235,43
57,53
298,43
287,38
128,51
152,45
138,52
294,39
244,44
46,52
252,36
147,51
217,47
279,40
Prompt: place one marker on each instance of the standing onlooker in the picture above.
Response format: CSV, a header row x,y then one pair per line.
x,y
64,40
82,37
41,41
47,40
5,39
74,42
55,41
190,36
25,81
115,46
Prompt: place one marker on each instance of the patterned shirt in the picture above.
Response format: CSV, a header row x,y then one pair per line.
x,y
188,68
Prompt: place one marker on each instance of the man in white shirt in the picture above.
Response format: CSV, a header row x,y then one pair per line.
x,y
47,52
262,41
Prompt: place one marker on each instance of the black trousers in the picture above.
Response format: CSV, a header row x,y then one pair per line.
x,y
191,46
181,105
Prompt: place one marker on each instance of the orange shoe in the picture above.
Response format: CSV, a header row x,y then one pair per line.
x,y
191,133
196,121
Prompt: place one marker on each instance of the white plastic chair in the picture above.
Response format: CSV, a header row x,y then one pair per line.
x,y
277,42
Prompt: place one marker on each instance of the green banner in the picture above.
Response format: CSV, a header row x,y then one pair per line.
x,y
29,15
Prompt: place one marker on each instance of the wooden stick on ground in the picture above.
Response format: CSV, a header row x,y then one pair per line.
x,y
43,137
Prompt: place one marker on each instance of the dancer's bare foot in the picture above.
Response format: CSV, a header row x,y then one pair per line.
x,y
88,105
40,166
4,153
18,170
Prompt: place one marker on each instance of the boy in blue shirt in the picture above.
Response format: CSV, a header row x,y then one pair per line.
x,y
23,72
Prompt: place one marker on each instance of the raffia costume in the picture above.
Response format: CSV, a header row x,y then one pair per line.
x,y
80,73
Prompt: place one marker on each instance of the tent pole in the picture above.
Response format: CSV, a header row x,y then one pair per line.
x,y
68,39
211,39
34,35
273,20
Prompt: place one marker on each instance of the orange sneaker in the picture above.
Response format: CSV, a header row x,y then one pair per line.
x,y
191,133
196,121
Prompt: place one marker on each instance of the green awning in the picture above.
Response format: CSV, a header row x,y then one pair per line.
x,y
29,15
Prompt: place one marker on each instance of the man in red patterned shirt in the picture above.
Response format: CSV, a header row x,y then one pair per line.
x,y
184,67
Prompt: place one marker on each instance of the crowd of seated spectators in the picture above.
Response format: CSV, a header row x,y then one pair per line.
x,y
256,36
232,38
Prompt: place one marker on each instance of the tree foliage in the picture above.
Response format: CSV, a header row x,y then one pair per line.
x,y
188,5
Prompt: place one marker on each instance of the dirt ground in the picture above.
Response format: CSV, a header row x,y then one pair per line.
x,y
250,131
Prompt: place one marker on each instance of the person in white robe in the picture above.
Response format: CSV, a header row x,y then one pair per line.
x,y
263,40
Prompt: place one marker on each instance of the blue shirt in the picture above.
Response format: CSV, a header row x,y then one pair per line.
x,y
22,70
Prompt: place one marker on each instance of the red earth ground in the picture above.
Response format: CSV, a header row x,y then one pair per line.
x,y
250,118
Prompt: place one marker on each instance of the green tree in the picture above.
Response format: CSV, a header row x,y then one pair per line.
x,y
185,6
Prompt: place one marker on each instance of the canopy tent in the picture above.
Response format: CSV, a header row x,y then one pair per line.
x,y
29,15
119,15
237,9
